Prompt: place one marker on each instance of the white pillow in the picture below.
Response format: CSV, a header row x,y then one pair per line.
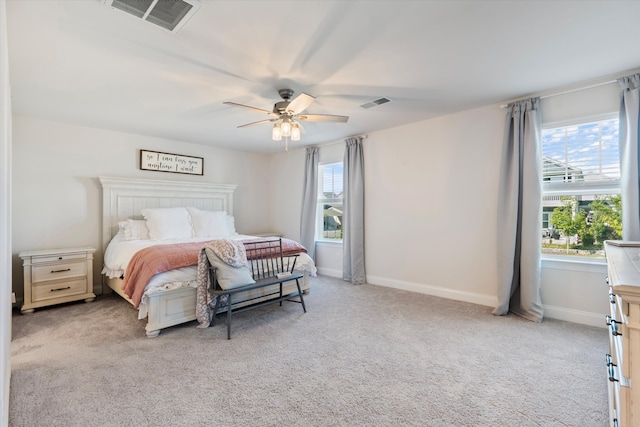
x,y
231,225
168,223
209,223
136,229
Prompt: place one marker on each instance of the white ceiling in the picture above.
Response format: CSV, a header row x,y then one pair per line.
x,y
82,62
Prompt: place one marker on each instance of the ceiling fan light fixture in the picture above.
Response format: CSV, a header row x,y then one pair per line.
x,y
276,133
295,132
286,115
286,128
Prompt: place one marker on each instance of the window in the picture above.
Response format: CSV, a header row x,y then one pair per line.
x,y
329,213
580,188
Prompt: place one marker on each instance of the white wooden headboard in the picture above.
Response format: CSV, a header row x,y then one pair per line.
x,y
124,198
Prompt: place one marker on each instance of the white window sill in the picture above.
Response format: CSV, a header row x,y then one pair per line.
x,y
571,263
329,242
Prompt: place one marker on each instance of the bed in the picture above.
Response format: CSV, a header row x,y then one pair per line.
x,y
169,298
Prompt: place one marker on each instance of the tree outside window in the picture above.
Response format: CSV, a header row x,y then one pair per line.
x,y
585,228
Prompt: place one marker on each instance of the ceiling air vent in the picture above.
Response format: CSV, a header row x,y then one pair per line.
x,y
375,103
168,14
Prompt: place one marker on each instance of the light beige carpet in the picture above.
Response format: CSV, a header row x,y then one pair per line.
x,y
361,356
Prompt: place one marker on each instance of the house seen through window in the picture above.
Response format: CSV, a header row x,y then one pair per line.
x,y
581,188
329,210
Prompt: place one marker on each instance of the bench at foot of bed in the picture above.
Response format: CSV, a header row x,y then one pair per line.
x,y
262,283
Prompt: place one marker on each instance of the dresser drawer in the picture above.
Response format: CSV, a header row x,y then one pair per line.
x,y
45,291
58,271
58,257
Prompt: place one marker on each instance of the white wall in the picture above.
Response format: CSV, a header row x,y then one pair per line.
x,y
431,202
57,197
286,172
5,220
431,209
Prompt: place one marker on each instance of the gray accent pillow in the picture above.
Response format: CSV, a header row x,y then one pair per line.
x,y
229,277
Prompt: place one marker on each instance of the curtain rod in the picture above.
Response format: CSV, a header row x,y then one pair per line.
x,y
578,87
564,92
340,142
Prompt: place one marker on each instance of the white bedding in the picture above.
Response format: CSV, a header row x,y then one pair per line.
x,y
120,251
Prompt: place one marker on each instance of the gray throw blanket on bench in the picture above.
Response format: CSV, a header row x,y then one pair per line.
x,y
230,252
204,300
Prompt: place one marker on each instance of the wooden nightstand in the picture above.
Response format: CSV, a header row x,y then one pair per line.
x,y
55,276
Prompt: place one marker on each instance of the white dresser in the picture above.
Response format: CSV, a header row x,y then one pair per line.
x,y
623,360
54,276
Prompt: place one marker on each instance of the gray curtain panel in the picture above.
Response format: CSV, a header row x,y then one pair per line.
x,y
353,214
520,214
309,201
630,156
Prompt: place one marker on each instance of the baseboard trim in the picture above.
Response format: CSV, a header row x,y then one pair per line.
x,y
437,291
329,272
574,316
550,311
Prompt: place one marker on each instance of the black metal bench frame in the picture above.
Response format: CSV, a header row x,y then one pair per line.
x,y
267,262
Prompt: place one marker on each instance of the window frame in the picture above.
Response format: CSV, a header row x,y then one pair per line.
x,y
612,187
321,201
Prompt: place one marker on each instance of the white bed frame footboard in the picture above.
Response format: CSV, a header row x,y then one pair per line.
x,y
169,308
124,198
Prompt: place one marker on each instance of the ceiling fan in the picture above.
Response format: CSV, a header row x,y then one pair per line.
x,y
287,115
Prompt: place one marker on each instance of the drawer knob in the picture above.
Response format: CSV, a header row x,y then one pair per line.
x,y
609,360
612,374
60,271
614,328
613,325
60,289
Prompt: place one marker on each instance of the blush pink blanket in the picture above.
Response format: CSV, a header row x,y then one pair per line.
x,y
160,258
153,260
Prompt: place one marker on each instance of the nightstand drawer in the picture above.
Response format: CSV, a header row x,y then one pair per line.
x,y
63,270
58,258
47,291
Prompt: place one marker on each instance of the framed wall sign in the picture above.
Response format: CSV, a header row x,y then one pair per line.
x,y
168,162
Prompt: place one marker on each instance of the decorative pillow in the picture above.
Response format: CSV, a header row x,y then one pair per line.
x,y
229,277
168,223
136,229
209,223
231,225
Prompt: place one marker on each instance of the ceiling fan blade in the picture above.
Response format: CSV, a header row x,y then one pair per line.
x,y
260,110
300,103
322,118
257,123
